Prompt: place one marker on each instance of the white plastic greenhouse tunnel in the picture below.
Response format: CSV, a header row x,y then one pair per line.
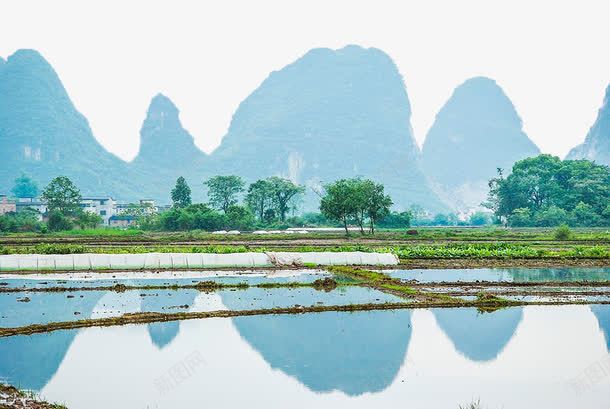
x,y
76,262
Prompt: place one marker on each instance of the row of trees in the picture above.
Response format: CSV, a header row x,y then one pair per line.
x,y
62,198
268,202
546,191
359,201
267,198
540,191
265,202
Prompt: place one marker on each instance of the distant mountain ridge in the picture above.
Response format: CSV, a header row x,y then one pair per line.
x,y
596,146
477,131
162,130
167,150
330,114
43,135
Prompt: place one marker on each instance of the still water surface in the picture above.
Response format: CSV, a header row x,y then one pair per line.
x,y
503,274
531,357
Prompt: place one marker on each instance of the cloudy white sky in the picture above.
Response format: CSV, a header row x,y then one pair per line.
x,y
551,57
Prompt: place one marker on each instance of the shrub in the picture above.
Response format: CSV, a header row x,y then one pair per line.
x,y
552,216
240,218
59,221
563,232
520,217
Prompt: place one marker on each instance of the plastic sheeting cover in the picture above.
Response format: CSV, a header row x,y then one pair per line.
x,y
71,262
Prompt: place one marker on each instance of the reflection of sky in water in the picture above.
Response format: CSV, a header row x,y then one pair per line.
x,y
88,279
45,307
479,336
525,357
508,274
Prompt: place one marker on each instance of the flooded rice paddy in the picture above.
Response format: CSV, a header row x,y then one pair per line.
x,y
511,275
552,356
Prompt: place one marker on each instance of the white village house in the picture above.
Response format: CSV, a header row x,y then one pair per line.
x,y
103,206
113,214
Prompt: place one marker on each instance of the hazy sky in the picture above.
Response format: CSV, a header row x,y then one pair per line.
x,y
551,57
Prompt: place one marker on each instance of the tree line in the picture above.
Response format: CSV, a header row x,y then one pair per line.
x,y
62,198
546,191
540,191
269,202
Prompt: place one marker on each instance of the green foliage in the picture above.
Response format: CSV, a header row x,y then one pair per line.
x,y
240,218
314,219
551,216
62,195
87,220
338,202
58,221
356,200
107,232
575,192
24,221
25,187
479,219
474,250
377,203
181,193
54,248
284,195
563,232
520,217
585,215
272,198
442,219
260,198
397,220
193,217
223,191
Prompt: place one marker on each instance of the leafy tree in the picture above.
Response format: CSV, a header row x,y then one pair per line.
x,y
260,197
223,191
270,216
552,216
86,220
442,219
397,220
355,200
181,193
338,202
584,215
210,221
520,217
25,187
62,195
59,221
479,219
26,220
583,181
544,184
360,191
196,216
378,204
206,218
606,215
284,195
240,218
